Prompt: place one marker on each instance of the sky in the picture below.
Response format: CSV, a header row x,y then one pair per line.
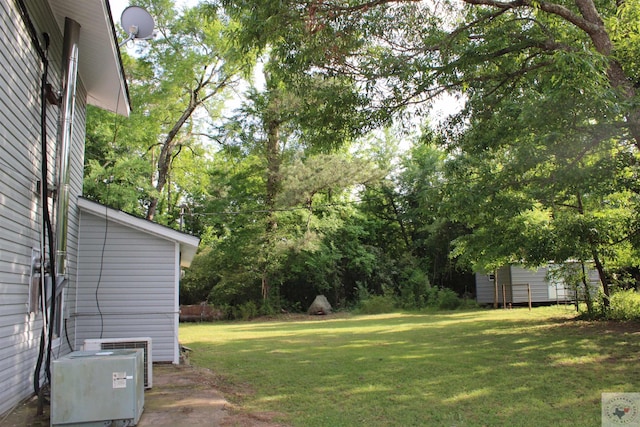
x,y
117,6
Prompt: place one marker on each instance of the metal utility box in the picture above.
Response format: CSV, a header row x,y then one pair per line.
x,y
98,388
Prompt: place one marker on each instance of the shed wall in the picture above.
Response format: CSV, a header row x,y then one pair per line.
x,y
536,279
484,289
127,282
542,290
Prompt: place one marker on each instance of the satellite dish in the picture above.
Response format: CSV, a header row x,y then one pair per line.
x,y
137,22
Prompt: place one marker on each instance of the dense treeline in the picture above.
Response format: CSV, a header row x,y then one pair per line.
x,y
295,138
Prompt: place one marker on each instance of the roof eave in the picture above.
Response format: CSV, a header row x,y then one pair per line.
x,y
188,243
100,62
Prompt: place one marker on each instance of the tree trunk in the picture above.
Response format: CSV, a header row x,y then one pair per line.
x,y
587,291
603,277
618,79
196,99
596,258
273,170
166,154
273,187
396,212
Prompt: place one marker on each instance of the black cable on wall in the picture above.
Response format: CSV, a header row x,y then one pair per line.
x,y
44,188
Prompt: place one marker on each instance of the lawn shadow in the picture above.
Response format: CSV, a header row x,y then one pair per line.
x,y
475,367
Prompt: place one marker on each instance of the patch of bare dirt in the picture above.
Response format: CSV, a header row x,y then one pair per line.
x,y
26,415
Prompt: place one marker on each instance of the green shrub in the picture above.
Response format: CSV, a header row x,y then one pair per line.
x,y
448,299
469,303
413,292
625,305
246,311
377,304
443,298
362,291
270,307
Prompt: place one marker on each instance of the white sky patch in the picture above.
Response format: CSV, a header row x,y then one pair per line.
x,y
444,106
117,6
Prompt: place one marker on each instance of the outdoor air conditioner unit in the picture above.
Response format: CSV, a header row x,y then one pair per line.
x,y
126,343
97,388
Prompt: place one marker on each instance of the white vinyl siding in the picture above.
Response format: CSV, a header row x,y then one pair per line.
x,y
127,286
20,206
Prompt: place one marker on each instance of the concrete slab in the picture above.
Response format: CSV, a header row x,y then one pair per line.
x,y
182,396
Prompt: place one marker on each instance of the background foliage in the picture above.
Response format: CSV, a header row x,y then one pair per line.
x,y
295,139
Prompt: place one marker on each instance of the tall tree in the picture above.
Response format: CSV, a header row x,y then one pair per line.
x,y
529,198
407,51
196,66
291,116
179,82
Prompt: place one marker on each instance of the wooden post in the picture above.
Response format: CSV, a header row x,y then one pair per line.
x,y
529,294
504,297
495,289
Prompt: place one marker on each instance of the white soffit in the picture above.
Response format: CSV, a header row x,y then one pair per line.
x,y
100,66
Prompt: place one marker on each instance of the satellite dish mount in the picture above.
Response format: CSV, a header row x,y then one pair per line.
x,y
137,22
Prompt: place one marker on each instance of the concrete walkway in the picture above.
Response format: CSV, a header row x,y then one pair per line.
x,y
182,396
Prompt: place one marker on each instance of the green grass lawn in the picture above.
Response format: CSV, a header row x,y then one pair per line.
x,y
472,368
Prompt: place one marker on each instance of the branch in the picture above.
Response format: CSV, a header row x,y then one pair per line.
x,y
552,8
175,155
367,5
213,138
152,146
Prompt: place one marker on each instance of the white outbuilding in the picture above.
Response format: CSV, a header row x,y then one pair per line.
x,y
129,278
515,284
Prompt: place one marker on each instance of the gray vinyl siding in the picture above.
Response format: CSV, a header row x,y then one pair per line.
x,y
537,281
543,290
484,289
20,207
127,286
517,280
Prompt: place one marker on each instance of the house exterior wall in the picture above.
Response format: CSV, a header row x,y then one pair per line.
x,y
20,206
127,286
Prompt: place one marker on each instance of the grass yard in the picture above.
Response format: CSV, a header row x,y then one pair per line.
x,y
471,368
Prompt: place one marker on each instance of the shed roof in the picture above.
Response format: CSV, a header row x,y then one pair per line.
x,y
99,62
188,243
